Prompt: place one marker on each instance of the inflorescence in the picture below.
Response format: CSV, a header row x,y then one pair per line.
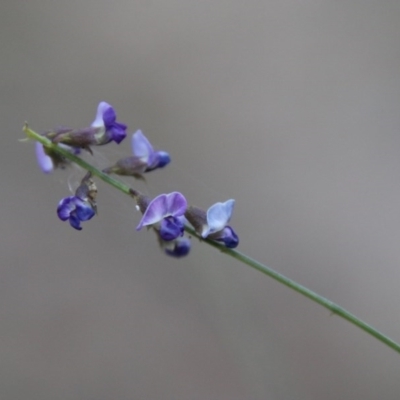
x,y
167,214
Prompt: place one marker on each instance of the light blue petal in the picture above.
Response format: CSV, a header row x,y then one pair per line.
x,y
142,148
218,216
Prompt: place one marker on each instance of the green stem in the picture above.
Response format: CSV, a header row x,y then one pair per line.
x,y
331,306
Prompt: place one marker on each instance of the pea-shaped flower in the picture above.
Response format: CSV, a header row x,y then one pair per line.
x,y
103,130
213,224
108,129
82,206
142,149
144,158
165,213
75,210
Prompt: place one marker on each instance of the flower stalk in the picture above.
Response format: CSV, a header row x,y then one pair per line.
x,y
328,304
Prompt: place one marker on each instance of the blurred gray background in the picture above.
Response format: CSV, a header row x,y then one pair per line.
x,y
291,108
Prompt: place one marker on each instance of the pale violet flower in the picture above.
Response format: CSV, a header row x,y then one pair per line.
x,y
166,214
143,150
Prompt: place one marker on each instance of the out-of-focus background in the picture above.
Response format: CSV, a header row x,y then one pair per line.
x,y
291,108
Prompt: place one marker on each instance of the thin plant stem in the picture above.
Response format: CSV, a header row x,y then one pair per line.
x,y
330,305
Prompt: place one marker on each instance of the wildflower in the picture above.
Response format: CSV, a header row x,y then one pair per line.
x,y
144,158
165,214
213,224
103,130
108,128
48,159
142,149
80,207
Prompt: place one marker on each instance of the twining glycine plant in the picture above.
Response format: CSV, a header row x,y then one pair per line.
x,y
167,214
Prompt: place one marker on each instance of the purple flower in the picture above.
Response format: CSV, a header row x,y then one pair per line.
x,y
165,214
80,207
142,149
213,224
180,247
144,159
48,160
107,127
103,130
75,210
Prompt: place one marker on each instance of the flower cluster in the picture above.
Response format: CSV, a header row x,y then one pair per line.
x,y
166,214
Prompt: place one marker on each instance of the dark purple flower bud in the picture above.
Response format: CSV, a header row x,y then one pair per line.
x,y
181,247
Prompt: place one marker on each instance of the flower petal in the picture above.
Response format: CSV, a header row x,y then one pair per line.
x,y
65,207
109,116
218,216
45,162
176,204
142,148
117,132
101,109
155,211
107,129
84,211
75,222
170,228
